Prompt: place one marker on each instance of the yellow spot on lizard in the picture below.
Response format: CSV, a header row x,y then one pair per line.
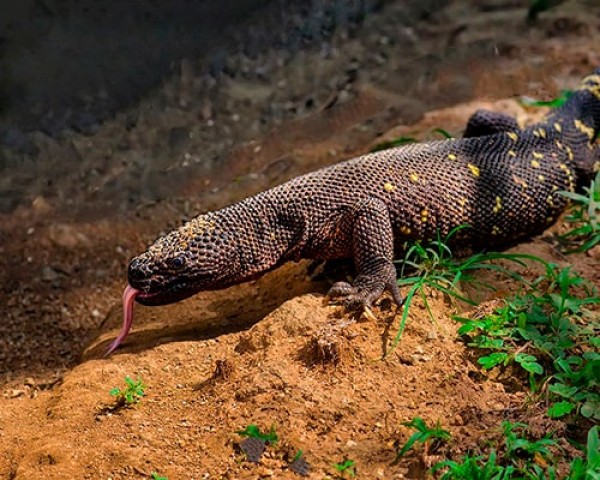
x,y
513,136
582,127
538,155
388,187
414,177
498,205
570,153
405,230
474,169
557,127
550,200
424,215
496,230
541,178
535,164
512,153
451,156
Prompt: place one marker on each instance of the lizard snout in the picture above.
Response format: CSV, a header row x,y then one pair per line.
x,y
136,273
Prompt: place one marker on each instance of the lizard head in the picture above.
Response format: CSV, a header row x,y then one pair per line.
x,y
197,256
587,96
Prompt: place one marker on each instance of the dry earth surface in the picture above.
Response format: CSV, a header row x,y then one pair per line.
x,y
271,352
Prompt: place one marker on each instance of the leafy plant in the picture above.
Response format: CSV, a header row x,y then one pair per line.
x,y
346,467
546,334
518,446
156,476
474,468
423,435
585,216
131,394
587,468
434,267
521,458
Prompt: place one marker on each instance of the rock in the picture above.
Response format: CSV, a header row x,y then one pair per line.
x,y
49,274
67,236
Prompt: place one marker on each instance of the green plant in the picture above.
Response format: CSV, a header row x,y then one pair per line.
x,y
587,468
252,431
423,435
156,476
554,103
346,467
518,447
546,333
585,215
434,267
131,394
474,468
442,132
396,142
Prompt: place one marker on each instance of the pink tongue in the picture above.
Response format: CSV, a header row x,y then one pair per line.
x,y
128,297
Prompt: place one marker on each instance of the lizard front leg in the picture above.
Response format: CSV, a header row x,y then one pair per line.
x,y
372,250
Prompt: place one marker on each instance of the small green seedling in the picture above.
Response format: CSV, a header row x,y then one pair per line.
x,y
442,132
424,434
252,431
156,476
346,468
255,442
396,142
585,216
132,394
554,103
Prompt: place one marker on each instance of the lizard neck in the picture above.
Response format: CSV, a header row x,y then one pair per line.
x,y
266,234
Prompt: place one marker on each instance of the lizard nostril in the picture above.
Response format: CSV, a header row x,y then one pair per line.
x,y
136,271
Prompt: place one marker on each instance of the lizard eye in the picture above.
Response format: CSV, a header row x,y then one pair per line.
x,y
177,263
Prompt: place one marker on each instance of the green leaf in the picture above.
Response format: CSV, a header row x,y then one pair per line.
x,y
591,410
493,359
560,409
396,142
532,367
563,390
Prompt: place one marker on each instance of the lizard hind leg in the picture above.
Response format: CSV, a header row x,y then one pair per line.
x,y
486,122
372,249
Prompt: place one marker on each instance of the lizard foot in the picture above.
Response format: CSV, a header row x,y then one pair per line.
x,y
363,293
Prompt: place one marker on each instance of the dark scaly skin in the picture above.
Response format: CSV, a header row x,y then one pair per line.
x,y
500,180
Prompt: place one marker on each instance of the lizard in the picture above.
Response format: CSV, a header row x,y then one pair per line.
x,y
501,180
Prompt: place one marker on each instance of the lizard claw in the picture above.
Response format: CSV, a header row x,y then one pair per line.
x,y
362,296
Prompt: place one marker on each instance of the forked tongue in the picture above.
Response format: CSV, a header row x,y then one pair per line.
x,y
128,297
